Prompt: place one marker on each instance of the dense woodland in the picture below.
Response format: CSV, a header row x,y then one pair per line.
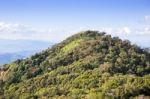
x,y
88,65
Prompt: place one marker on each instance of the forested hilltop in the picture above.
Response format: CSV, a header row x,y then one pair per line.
x,y
88,65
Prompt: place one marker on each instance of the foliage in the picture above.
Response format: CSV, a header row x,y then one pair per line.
x,y
87,65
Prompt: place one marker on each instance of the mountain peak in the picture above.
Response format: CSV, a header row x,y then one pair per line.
x,y
86,64
88,33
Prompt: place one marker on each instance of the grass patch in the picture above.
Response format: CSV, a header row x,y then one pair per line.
x,y
71,45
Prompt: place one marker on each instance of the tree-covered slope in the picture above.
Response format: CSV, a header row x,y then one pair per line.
x,y
88,65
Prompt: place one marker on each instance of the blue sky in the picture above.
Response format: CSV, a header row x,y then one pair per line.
x,y
54,20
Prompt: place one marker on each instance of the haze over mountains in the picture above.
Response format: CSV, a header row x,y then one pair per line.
x,y
11,50
90,65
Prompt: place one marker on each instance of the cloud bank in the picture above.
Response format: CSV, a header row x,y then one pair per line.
x,y
147,18
13,31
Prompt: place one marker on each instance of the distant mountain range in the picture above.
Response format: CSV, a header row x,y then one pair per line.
x,y
11,50
10,57
11,46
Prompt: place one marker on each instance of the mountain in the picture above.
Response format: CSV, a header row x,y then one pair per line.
x,y
9,57
15,46
89,65
6,58
11,50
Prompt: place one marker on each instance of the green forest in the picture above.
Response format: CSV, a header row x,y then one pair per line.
x,y
87,65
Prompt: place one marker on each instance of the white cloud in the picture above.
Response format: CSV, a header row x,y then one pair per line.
x,y
117,31
8,27
147,18
126,30
18,31
143,31
14,31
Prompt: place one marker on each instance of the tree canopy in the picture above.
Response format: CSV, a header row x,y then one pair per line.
x,y
89,64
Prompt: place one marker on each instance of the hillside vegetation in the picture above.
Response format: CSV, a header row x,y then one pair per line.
x,y
88,65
